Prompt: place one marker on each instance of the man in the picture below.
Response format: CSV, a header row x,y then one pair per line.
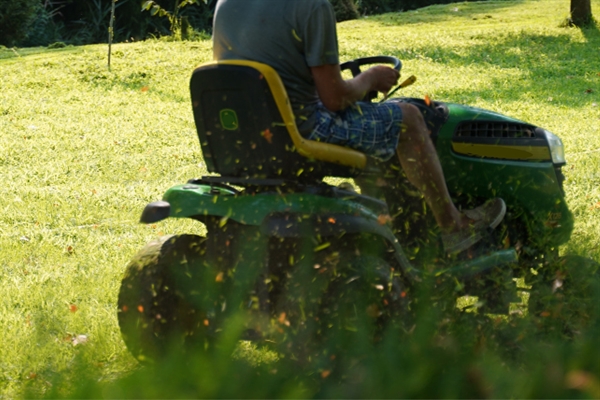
x,y
298,39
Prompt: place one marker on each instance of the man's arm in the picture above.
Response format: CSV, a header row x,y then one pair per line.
x,y
336,93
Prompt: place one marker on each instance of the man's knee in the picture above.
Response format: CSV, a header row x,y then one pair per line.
x,y
411,115
412,119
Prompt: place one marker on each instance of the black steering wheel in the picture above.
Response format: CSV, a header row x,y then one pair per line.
x,y
354,67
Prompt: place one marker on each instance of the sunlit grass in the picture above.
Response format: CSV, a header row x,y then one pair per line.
x,y
84,149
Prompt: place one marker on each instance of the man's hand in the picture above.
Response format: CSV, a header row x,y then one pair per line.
x,y
382,78
336,93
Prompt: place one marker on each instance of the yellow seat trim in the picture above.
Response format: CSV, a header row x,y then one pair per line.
x,y
308,148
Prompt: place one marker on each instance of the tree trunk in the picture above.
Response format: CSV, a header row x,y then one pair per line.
x,y
111,30
581,12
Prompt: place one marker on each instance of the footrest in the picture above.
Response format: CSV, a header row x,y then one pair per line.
x,y
465,269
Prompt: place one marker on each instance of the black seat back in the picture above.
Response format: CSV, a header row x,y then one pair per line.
x,y
247,130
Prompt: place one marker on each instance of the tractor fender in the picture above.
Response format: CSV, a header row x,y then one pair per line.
x,y
199,201
155,212
296,225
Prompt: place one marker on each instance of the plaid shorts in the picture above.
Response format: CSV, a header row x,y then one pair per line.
x,y
372,128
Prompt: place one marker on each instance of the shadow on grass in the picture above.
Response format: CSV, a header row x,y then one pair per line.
x,y
14,54
439,13
547,66
591,30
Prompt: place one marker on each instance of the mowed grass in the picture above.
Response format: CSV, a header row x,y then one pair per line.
x,y
84,149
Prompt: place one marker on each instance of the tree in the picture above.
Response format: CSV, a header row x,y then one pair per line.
x,y
111,29
176,21
345,10
581,12
15,18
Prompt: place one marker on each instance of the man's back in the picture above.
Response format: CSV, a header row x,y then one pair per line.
x,y
289,35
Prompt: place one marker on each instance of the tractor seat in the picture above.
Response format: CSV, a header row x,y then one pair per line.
x,y
247,128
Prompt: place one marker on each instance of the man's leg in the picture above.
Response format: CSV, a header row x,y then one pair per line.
x,y
422,167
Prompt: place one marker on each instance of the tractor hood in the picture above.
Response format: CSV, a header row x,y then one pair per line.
x,y
475,132
485,154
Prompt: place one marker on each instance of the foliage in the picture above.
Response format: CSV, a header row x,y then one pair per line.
x,y
82,22
57,45
83,150
464,356
175,20
181,25
15,19
43,30
345,10
92,22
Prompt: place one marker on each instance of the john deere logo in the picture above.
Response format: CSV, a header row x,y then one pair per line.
x,y
229,119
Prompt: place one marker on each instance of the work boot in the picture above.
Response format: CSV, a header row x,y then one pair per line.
x,y
484,218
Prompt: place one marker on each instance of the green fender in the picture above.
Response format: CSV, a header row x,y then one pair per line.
x,y
193,200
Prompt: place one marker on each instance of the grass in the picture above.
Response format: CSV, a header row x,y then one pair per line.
x,y
83,149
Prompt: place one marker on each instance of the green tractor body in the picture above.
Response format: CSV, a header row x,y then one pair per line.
x,y
483,154
284,244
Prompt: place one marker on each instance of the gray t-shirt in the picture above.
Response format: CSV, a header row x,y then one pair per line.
x,y
289,35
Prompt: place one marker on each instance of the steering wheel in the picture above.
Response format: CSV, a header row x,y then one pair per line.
x,y
354,67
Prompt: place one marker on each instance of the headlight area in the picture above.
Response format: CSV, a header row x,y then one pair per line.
x,y
557,152
555,144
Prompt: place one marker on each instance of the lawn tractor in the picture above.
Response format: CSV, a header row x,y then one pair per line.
x,y
302,259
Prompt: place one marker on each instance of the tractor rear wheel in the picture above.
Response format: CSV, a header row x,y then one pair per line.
x,y
332,309
168,297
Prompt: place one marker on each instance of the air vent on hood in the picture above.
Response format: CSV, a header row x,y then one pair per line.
x,y
494,129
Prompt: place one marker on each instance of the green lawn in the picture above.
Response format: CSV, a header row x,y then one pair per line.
x,y
83,149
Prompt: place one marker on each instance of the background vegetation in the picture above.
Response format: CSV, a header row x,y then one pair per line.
x,y
83,149
27,23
